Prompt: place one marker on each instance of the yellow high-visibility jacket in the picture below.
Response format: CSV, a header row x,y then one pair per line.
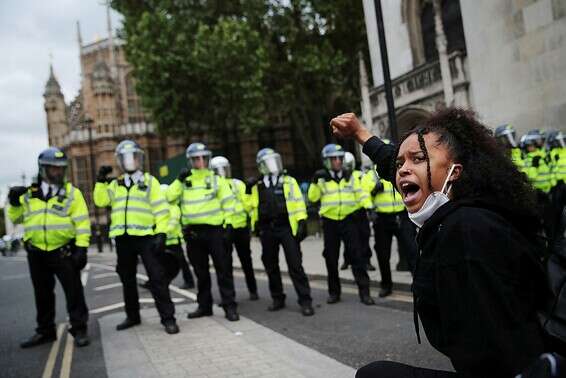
x,y
174,231
239,218
339,199
138,211
387,201
205,197
53,224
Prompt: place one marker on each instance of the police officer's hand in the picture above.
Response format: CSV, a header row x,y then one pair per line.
x,y
536,162
302,231
378,188
159,242
183,174
79,257
15,193
320,174
103,173
250,182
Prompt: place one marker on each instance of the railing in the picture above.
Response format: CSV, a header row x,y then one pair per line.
x,y
81,135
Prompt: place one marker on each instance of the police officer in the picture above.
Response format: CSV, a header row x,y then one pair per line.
x,y
557,156
339,193
206,203
360,214
506,137
139,224
173,259
390,219
279,214
237,230
557,160
56,237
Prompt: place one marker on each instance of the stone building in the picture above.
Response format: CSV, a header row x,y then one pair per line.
x,y
506,59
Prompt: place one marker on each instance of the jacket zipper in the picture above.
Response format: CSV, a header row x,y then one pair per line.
x,y
126,211
45,226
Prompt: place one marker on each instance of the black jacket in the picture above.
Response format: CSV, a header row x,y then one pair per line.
x,y
476,284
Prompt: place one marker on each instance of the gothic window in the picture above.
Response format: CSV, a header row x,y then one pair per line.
x,y
82,182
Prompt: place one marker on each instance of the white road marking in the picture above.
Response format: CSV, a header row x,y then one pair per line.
x,y
67,357
121,304
48,371
14,277
109,286
104,275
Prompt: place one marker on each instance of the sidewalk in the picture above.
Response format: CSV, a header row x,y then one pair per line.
x,y
248,349
314,265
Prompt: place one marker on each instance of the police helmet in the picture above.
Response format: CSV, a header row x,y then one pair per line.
x,y
329,151
269,162
536,136
52,157
349,162
129,156
221,166
198,149
506,135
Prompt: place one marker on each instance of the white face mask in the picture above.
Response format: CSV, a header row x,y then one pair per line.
x,y
432,203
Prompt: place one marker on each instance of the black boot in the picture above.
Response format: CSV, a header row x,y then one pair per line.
x,y
384,292
370,267
254,297
277,305
127,323
307,310
199,313
333,298
344,266
38,339
81,339
232,314
367,300
145,285
171,327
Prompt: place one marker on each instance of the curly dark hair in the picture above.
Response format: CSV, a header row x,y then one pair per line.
x,y
488,170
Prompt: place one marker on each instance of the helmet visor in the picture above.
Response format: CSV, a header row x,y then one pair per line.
x,y
54,174
271,165
223,170
198,162
130,161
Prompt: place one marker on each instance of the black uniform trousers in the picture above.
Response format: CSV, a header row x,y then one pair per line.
x,y
271,237
384,227
390,369
174,260
240,238
44,267
128,248
364,231
344,230
202,241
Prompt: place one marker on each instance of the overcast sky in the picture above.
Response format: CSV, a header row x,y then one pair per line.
x,y
29,31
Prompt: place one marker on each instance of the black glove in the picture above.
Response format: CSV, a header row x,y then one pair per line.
x,y
250,182
378,188
103,173
183,174
79,257
320,174
159,242
15,193
536,161
301,231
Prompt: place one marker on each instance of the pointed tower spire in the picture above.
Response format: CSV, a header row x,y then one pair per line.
x,y
52,88
113,67
79,36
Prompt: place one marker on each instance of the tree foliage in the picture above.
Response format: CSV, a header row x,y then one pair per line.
x,y
239,65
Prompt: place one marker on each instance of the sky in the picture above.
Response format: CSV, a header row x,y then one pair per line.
x,y
31,31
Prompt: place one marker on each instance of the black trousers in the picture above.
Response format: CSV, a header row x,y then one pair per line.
x,y
389,369
173,260
202,241
240,238
364,231
271,237
44,267
128,248
344,230
384,227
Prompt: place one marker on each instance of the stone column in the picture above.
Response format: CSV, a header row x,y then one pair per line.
x,y
441,46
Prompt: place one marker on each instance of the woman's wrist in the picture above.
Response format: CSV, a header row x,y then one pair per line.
x,y
362,135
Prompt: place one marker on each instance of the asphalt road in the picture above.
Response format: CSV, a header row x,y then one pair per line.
x,y
349,332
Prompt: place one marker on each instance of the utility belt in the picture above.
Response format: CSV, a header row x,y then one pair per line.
x,y
64,251
270,223
195,231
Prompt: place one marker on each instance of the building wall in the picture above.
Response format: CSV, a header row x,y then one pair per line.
x,y
517,61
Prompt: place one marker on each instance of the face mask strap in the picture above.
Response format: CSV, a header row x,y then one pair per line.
x,y
447,185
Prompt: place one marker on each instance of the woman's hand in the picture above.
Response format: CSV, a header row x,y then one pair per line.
x,y
347,125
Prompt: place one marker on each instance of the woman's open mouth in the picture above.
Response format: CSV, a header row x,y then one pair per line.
x,y
411,192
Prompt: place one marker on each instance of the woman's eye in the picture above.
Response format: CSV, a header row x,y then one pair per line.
x,y
418,159
398,165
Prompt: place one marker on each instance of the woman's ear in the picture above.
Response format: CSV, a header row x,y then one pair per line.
x,y
456,172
